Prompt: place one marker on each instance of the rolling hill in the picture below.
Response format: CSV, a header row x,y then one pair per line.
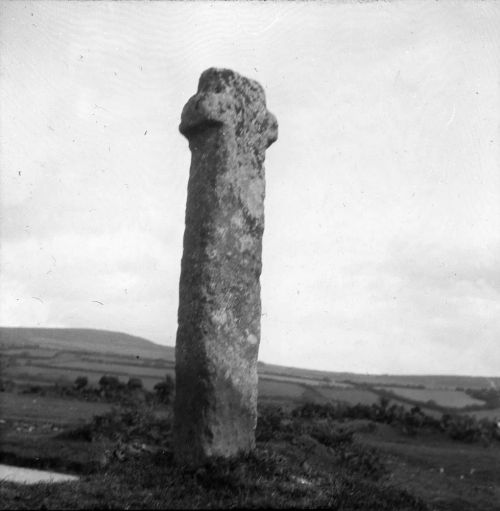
x,y
42,356
83,339
377,445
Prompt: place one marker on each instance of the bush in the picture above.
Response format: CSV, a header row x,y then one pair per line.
x,y
81,382
329,436
165,389
269,423
457,427
109,382
134,384
125,425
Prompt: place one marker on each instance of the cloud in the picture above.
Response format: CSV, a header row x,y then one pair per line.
x,y
425,308
133,275
381,246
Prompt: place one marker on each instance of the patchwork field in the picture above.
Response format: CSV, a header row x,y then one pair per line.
x,y
349,395
48,356
443,397
394,461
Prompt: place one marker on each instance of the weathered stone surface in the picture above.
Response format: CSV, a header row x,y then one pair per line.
x,y
229,129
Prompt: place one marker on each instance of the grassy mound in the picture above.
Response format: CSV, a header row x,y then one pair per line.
x,y
298,463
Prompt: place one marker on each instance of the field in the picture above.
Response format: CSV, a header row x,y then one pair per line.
x,y
493,414
300,461
74,339
45,356
393,460
439,471
48,356
269,388
42,409
442,397
347,395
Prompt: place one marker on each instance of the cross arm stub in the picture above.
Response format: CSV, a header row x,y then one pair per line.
x,y
227,98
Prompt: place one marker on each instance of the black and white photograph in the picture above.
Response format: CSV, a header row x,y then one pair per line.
x,y
250,254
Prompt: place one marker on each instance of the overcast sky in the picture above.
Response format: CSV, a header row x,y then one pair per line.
x,y
382,238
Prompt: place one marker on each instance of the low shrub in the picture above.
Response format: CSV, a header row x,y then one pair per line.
x,y
457,427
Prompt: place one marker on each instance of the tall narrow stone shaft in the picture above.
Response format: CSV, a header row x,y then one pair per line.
x,y
229,129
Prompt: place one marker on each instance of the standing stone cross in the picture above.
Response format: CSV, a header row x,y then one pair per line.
x,y
229,129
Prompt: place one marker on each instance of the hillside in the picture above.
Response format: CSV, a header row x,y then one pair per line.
x,y
47,356
83,339
129,346
434,381
311,456
324,439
